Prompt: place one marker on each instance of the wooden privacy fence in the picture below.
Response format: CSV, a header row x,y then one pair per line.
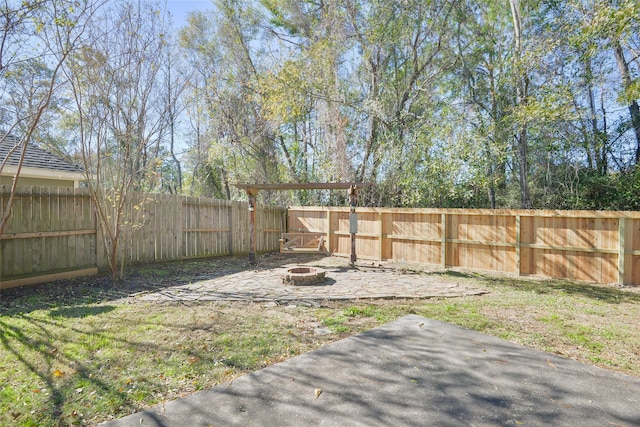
x,y
53,232
50,230
594,246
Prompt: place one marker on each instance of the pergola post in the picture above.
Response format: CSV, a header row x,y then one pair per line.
x,y
252,193
353,221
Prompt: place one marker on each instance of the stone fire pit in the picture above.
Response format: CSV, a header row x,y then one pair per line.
x,y
303,276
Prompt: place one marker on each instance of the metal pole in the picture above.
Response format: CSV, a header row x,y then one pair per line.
x,y
353,201
252,193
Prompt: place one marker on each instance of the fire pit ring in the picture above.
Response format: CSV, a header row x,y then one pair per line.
x,y
303,276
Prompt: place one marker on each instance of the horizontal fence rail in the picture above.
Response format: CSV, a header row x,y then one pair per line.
x,y
595,246
53,232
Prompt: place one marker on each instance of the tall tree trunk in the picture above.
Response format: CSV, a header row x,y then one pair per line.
x,y
287,155
171,107
634,110
492,196
595,132
499,171
373,121
336,121
173,154
522,86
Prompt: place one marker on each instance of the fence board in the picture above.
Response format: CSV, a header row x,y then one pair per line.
x,y
54,233
583,245
632,243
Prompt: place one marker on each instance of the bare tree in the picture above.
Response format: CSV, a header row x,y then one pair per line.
x,y
174,82
120,114
522,92
40,34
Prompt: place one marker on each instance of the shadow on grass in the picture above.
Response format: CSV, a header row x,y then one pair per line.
x,y
61,341
67,361
601,292
34,353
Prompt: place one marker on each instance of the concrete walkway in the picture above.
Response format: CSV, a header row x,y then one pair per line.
x,y
342,283
412,372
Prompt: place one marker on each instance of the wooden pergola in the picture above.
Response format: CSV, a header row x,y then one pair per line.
x,y
252,191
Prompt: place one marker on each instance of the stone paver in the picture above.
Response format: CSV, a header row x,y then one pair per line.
x,y
341,283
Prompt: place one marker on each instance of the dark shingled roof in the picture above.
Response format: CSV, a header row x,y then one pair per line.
x,y
35,157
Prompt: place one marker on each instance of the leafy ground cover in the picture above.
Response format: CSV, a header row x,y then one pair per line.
x,y
84,351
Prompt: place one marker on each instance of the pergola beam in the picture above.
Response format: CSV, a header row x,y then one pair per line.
x,y
303,186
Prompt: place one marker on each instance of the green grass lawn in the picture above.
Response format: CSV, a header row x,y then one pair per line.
x,y
86,354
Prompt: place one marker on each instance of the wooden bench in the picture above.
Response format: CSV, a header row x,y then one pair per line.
x,y
302,242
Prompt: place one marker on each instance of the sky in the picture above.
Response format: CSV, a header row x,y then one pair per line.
x,y
180,8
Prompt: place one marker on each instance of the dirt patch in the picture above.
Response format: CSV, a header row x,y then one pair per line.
x,y
139,279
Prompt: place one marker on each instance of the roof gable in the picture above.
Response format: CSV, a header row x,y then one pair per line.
x,y
35,157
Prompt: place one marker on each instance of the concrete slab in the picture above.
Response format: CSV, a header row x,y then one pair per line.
x,y
414,371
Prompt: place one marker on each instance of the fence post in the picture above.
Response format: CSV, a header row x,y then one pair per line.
x,y
253,205
328,211
621,251
233,207
381,214
180,205
518,270
443,249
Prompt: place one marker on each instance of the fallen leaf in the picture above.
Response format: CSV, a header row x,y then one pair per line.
x,y
193,359
318,392
79,390
58,373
